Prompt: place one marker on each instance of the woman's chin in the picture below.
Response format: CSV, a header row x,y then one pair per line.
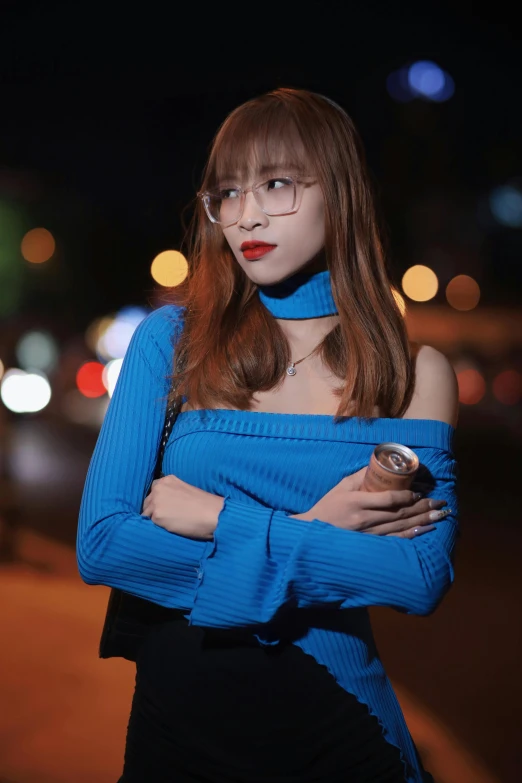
x,y
263,273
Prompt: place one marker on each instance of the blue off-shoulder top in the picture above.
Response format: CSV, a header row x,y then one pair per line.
x,y
308,581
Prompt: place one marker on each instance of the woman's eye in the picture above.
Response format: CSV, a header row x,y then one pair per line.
x,y
226,193
273,184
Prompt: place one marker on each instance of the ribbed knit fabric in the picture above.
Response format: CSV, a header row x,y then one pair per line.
x,y
309,582
300,296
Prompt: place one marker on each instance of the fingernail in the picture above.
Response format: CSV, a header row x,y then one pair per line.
x,y
440,514
417,496
419,531
437,503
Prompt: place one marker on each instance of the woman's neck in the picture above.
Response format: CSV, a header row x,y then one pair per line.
x,y
307,331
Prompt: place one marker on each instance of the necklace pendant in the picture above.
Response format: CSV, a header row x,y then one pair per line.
x,y
291,370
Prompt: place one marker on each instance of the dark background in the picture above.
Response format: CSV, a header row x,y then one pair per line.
x,y
107,112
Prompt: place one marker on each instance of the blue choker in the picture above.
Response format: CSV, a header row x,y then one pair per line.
x,y
300,296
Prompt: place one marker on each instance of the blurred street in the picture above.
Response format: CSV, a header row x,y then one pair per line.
x,y
64,711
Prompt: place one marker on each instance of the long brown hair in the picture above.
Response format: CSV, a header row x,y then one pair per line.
x,y
231,345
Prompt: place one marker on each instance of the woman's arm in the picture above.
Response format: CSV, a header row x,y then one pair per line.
x,y
116,546
264,562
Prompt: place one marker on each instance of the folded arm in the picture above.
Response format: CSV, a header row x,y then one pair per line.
x,y
116,545
264,562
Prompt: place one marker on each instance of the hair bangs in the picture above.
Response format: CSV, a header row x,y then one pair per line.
x,y
254,143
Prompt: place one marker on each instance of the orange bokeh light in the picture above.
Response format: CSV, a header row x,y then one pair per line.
x,y
38,245
472,386
507,387
463,293
420,283
89,379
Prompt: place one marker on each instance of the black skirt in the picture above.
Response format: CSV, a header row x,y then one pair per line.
x,y
215,706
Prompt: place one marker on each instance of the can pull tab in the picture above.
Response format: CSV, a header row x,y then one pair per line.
x,y
398,462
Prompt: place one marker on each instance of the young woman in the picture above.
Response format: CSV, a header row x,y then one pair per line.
x,y
296,365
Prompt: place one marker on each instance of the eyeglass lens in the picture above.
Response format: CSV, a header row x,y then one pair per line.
x,y
275,197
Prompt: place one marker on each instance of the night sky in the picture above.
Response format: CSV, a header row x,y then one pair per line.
x,y
108,111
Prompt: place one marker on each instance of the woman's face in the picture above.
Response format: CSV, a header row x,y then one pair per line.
x,y
296,239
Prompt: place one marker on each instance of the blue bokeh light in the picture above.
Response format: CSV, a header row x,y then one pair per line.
x,y
426,78
506,205
423,79
446,92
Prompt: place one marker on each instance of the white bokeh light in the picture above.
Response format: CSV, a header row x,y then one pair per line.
x,y
24,392
110,375
115,340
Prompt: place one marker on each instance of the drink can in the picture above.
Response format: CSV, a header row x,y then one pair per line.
x,y
392,466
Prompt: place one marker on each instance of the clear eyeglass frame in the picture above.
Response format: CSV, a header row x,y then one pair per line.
x,y
296,201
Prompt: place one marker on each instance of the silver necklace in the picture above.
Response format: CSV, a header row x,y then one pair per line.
x,y
290,370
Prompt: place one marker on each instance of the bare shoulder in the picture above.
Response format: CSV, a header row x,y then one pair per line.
x,y
436,394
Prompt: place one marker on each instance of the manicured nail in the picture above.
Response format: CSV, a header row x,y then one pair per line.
x,y
419,531
417,496
440,514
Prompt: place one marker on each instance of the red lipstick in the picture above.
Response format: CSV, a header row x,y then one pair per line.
x,y
255,249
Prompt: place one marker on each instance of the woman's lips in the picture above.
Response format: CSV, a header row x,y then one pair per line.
x,y
256,251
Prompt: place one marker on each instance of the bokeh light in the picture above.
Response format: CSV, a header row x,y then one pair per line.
x,y
423,79
472,386
24,392
420,283
110,375
427,80
115,339
38,245
401,302
506,205
169,268
96,330
463,293
89,379
507,387
37,350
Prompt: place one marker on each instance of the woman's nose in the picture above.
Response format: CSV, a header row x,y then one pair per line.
x,y
252,215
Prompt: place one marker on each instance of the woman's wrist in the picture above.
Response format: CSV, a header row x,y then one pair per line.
x,y
306,516
214,509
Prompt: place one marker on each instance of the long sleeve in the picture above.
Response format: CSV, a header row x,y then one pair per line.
x,y
116,546
264,562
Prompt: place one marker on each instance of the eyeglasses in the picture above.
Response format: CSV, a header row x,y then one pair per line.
x,y
276,196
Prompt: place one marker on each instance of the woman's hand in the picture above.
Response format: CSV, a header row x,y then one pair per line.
x,y
390,513
183,509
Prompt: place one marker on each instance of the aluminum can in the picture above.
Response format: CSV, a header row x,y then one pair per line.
x,y
392,466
